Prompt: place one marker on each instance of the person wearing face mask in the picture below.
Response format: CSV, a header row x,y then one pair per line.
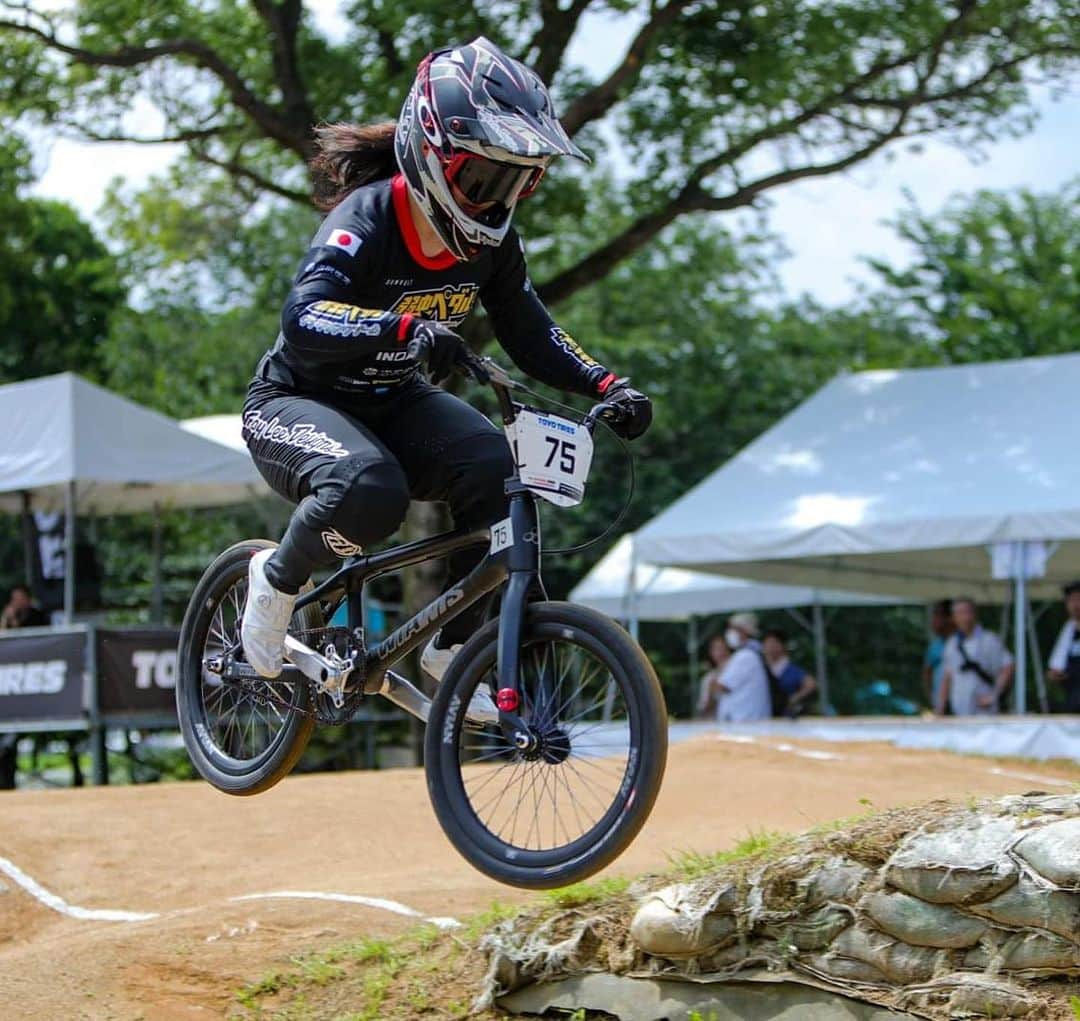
x,y
744,683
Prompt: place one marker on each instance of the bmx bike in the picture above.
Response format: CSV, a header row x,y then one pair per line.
x,y
546,786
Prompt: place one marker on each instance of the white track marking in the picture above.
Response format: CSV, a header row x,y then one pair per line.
x,y
1033,777
58,904
352,898
51,900
809,753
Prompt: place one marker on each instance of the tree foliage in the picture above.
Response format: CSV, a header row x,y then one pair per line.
x,y
996,275
712,104
59,286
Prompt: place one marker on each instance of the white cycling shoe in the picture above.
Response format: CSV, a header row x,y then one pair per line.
x,y
435,662
266,619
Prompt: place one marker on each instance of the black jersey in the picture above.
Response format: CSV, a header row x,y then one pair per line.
x,y
364,282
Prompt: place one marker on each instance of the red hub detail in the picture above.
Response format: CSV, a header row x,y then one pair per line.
x,y
507,700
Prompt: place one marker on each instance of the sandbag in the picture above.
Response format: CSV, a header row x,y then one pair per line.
x,y
814,931
901,963
1030,904
1028,951
835,880
921,924
962,865
1054,852
670,923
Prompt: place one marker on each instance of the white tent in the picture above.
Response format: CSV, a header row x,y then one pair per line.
x,y
669,593
72,446
224,429
900,482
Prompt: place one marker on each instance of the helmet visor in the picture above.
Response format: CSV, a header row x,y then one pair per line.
x,y
481,182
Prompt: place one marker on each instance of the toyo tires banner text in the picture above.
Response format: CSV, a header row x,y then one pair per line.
x,y
42,675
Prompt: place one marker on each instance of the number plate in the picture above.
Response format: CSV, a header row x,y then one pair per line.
x,y
554,455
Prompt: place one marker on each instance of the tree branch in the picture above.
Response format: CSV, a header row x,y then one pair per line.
x,y
190,135
695,198
547,47
598,100
237,169
267,117
394,64
283,22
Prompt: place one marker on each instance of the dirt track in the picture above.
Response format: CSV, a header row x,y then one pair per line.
x,y
183,850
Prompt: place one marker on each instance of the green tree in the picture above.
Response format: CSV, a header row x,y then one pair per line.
x,y
995,275
59,286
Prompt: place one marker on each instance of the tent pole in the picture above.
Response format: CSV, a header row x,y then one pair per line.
x,y
157,600
1037,662
819,656
29,533
692,660
69,552
1019,631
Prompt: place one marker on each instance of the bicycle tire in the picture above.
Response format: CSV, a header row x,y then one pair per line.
x,y
227,773
630,668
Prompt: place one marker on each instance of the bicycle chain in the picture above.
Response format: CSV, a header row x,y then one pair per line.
x,y
262,691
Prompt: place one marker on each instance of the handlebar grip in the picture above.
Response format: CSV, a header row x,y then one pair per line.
x,y
606,410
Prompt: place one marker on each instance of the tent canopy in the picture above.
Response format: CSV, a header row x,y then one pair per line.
x,y
668,593
121,457
895,482
223,429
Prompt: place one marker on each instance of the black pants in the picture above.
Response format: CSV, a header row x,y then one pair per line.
x,y
352,467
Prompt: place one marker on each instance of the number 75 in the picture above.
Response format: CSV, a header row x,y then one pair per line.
x,y
565,451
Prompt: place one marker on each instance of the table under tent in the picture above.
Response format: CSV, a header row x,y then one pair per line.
x,y
631,590
922,483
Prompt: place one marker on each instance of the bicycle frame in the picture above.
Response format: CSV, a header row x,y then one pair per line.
x,y
517,565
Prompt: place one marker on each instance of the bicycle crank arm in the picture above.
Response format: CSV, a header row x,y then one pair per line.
x,y
321,670
405,695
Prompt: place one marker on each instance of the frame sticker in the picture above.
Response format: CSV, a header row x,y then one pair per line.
x,y
502,535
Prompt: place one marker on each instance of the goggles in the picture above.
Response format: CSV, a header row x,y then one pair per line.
x,y
481,182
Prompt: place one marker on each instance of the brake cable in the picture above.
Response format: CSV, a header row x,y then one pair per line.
x,y
627,456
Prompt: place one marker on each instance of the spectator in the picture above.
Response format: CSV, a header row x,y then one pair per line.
x,y
941,626
977,668
1065,659
21,611
717,653
794,683
744,683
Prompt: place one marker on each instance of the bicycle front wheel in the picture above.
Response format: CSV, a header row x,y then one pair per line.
x,y
563,808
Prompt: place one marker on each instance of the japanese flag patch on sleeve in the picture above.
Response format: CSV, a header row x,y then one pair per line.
x,y
345,239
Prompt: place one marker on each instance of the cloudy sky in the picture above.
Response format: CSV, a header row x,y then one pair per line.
x,y
826,224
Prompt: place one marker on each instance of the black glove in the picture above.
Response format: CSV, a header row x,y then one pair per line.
x,y
635,409
436,345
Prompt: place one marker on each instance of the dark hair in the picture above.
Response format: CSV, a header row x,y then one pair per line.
x,y
944,606
717,636
1073,586
348,156
775,632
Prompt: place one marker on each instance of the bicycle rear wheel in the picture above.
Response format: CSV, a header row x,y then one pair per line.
x,y
241,736
568,805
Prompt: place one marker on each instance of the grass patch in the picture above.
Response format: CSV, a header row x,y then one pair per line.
x,y
756,845
579,894
1074,1002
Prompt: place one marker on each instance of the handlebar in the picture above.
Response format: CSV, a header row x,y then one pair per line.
x,y
488,372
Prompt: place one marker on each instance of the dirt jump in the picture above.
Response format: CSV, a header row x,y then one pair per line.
x,y
159,902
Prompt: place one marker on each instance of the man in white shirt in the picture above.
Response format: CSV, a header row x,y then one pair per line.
x,y
744,685
977,669
1065,659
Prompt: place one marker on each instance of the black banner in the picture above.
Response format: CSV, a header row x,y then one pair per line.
x,y
137,670
41,676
